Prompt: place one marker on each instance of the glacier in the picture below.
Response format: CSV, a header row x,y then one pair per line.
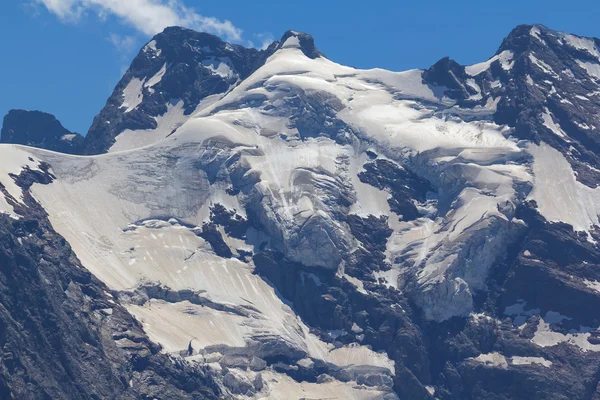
x,y
413,185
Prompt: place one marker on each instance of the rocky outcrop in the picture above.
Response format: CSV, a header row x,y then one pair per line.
x,y
39,129
298,237
177,66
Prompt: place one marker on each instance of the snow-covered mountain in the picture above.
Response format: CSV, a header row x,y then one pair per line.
x,y
285,227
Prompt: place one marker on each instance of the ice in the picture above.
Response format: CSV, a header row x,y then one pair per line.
x,y
291,42
69,137
369,200
402,123
122,188
174,325
359,355
560,197
132,94
13,160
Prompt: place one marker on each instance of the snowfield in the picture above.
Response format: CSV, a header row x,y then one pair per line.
x,y
134,216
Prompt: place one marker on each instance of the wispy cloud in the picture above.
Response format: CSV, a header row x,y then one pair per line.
x,y
124,44
146,16
265,40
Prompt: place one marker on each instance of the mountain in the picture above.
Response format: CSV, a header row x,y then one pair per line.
x,y
177,74
271,224
38,129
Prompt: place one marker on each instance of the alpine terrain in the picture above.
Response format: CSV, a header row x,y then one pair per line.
x,y
269,224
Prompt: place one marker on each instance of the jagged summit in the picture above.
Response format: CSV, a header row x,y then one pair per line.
x,y
167,81
39,129
521,38
305,41
177,73
283,226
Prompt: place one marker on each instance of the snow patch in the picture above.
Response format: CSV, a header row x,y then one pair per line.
x,y
14,159
151,46
584,44
545,337
535,32
594,285
491,360
133,94
592,69
165,125
291,42
543,66
553,126
560,197
505,58
157,77
219,66
516,360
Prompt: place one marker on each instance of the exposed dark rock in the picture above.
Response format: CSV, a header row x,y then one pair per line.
x,y
373,233
38,129
539,64
62,335
307,43
403,185
234,224
190,58
449,74
211,234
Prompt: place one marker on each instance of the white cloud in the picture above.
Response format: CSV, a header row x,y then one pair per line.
x,y
125,44
146,16
265,40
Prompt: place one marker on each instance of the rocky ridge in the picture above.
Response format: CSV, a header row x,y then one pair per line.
x,y
364,234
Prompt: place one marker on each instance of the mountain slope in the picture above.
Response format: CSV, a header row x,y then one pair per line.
x,y
311,230
176,73
62,333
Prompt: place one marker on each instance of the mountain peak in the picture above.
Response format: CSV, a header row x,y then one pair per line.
x,y
39,129
301,40
524,37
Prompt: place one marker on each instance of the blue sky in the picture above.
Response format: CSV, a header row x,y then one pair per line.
x,y
65,56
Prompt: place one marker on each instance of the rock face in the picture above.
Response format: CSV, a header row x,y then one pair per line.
x,y
38,129
166,83
282,226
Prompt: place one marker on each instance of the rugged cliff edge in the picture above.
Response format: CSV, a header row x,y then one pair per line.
x,y
38,129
